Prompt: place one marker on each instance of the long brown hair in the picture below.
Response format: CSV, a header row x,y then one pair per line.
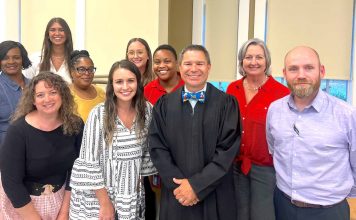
x,y
71,122
45,64
138,102
148,75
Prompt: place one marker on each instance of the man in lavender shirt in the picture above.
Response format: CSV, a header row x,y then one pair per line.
x,y
312,137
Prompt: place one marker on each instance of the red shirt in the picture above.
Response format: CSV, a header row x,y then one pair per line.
x,y
253,147
153,90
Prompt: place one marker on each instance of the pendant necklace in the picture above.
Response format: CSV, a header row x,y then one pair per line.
x,y
254,88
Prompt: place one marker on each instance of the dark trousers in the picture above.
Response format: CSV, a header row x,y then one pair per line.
x,y
254,193
150,200
285,210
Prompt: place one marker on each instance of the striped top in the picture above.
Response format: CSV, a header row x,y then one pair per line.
x,y
117,167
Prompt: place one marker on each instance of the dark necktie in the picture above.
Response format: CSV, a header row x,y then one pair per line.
x,y
198,96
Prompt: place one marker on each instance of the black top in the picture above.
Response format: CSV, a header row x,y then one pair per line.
x,y
199,146
32,155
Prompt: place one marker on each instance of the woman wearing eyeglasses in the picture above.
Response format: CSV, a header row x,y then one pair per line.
x,y
86,94
139,53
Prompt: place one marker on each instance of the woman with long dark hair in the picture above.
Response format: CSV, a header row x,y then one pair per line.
x,y
107,177
56,49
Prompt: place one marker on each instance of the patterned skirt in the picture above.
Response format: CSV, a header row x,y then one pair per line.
x,y
47,206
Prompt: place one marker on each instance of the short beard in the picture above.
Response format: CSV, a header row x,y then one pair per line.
x,y
304,92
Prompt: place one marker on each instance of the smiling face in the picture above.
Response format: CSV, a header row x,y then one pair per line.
x,y
57,34
164,65
254,61
303,72
124,85
12,62
194,69
137,54
47,99
82,80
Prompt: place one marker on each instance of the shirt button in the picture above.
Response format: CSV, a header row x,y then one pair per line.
x,y
242,145
243,118
243,132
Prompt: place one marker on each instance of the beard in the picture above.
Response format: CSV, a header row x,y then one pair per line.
x,y
303,91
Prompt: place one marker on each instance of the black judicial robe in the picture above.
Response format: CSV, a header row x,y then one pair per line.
x,y
199,146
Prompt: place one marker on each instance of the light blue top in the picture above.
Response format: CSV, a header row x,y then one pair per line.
x,y
314,151
10,94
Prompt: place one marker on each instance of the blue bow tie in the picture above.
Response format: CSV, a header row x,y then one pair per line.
x,y
198,96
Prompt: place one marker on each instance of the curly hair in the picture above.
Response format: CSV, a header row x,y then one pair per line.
x,y
47,44
5,46
71,122
138,101
148,75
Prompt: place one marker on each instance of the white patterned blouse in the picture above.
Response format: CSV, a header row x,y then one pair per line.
x,y
118,167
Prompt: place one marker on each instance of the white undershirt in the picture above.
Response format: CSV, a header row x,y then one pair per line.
x,y
193,102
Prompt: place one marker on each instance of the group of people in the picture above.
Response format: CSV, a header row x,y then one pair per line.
x,y
260,151
46,101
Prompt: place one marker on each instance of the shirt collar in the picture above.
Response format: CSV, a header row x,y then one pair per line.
x,y
191,101
317,103
156,84
204,89
11,83
269,84
318,100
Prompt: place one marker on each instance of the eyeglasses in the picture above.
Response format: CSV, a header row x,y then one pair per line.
x,y
257,58
82,70
139,53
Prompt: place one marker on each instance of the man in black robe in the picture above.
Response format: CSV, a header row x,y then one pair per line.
x,y
193,138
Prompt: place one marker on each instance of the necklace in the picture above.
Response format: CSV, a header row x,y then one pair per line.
x,y
57,57
256,87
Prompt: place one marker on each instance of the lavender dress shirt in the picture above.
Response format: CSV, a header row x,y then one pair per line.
x,y
314,151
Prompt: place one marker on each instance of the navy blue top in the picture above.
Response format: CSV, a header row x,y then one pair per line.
x,y
10,94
